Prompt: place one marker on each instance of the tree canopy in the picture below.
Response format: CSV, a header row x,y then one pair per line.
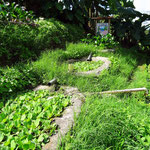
x,y
127,23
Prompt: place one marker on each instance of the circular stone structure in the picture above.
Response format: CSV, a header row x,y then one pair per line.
x,y
66,121
95,72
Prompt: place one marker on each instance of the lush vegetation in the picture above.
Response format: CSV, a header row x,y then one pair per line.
x,y
15,79
86,65
103,41
110,122
14,12
126,129
111,119
113,122
27,120
21,42
106,121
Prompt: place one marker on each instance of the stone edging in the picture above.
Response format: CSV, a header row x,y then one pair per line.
x,y
107,50
97,71
67,120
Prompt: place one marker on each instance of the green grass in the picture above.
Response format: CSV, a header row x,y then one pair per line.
x,y
53,64
114,122
108,122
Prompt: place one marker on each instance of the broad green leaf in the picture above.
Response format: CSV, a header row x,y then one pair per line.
x,y
30,115
1,136
23,117
13,144
26,146
41,138
37,122
32,146
1,105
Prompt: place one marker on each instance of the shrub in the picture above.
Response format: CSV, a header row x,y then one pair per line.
x,y
104,41
21,42
16,79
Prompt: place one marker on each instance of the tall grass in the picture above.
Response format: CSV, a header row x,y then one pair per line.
x,y
106,122
54,64
110,123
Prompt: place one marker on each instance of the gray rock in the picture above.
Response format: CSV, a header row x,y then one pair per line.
x,y
45,87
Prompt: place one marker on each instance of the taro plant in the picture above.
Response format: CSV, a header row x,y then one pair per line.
x,y
127,27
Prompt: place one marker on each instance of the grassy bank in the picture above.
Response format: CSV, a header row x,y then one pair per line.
x,y
106,122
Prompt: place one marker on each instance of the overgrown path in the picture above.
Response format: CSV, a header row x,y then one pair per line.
x,y
105,122
128,82
114,122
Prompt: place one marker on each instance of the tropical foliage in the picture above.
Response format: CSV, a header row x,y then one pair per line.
x,y
127,26
26,122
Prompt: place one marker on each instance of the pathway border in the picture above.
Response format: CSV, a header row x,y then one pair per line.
x,y
67,120
97,71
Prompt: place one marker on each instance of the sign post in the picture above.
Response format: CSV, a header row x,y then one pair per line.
x,y
102,28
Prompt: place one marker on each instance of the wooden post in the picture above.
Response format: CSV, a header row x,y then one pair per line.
x,y
109,25
90,16
125,91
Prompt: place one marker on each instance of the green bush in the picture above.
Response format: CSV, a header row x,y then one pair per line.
x,y
21,42
104,41
15,79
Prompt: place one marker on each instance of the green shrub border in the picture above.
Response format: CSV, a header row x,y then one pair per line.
x,y
19,42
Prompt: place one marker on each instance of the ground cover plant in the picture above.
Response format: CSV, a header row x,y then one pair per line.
x,y
26,122
15,79
86,65
103,41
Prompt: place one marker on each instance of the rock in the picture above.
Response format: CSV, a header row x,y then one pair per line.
x,y
45,87
107,50
67,120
